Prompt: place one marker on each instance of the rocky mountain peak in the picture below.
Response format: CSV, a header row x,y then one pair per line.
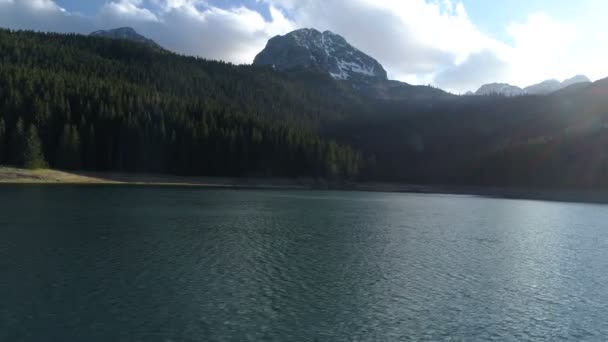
x,y
326,52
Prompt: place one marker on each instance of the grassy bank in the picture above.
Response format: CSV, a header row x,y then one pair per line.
x,y
11,175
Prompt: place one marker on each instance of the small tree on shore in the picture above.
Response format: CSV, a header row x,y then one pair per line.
x,y
33,157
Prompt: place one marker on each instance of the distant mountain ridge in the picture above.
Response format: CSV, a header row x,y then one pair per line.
x,y
543,88
326,52
126,33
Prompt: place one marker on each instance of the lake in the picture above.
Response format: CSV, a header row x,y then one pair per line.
x,y
119,263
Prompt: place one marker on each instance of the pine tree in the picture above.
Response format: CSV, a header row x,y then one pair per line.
x,y
33,157
90,150
2,140
140,114
68,154
75,149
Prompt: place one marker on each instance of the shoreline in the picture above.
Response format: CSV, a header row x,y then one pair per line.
x,y
17,176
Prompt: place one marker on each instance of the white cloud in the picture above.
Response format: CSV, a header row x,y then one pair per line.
x,y
435,41
127,10
547,48
40,15
540,46
235,35
415,40
479,68
186,26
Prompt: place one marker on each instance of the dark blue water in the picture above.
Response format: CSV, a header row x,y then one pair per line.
x,y
174,264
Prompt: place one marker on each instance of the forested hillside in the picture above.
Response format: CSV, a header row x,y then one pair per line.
x,y
103,104
533,141
92,103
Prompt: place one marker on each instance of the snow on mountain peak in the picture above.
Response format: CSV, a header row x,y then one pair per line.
x,y
321,51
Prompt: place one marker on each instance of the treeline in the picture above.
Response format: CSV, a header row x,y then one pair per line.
x,y
83,103
75,102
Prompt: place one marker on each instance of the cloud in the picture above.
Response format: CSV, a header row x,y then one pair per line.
x,y
410,38
127,10
40,15
541,44
480,68
435,41
235,35
418,41
542,48
190,27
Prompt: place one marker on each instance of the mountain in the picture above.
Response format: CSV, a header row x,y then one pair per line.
x,y
575,80
543,88
551,86
499,89
99,105
325,52
306,51
126,33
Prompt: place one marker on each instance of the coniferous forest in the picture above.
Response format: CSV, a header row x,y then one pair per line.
x,y
89,103
76,102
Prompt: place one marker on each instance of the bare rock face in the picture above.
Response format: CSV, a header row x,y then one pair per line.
x,y
326,52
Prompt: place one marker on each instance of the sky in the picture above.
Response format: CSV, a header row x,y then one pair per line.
x,y
457,45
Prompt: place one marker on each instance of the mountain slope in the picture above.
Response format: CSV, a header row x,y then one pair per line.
x,y
113,104
324,52
126,33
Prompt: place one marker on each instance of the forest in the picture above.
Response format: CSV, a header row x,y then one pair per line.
x,y
89,103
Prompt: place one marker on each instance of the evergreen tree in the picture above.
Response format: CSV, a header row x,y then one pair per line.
x,y
33,157
75,149
2,140
68,154
135,111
